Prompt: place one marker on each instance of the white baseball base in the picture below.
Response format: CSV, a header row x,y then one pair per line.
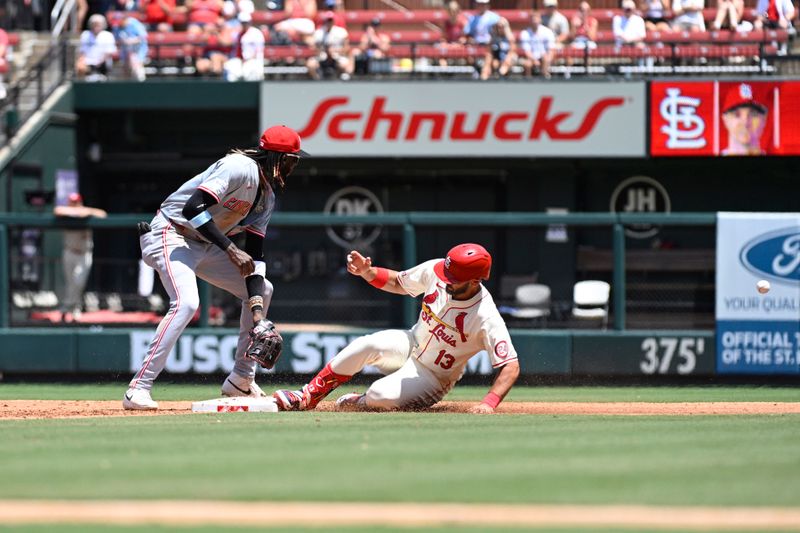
x,y
239,404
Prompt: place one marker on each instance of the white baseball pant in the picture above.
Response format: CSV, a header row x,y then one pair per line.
x,y
179,262
76,273
408,385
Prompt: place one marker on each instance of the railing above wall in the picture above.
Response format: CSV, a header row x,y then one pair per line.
x,y
412,217
64,11
409,221
29,93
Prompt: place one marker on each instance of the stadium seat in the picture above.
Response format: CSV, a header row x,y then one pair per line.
x,y
417,35
590,301
403,36
13,40
531,302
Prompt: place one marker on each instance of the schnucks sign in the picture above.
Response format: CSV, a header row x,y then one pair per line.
x,y
461,119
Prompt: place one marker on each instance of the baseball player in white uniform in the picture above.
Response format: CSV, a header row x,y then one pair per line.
x,y
188,238
458,319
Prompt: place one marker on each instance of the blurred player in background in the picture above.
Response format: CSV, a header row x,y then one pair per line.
x,y
76,258
188,238
458,320
745,118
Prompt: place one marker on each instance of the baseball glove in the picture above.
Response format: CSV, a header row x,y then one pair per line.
x,y
265,344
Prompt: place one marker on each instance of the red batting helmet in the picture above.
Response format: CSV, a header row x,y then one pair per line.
x,y
464,262
746,95
281,139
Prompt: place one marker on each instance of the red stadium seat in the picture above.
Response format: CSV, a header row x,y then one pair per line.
x,y
282,53
419,17
416,34
13,40
403,36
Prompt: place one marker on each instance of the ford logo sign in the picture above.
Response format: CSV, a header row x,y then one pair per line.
x,y
774,255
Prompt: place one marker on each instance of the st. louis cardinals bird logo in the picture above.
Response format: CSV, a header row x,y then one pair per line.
x,y
460,325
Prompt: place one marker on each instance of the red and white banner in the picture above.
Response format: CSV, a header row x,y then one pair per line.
x,y
710,118
461,119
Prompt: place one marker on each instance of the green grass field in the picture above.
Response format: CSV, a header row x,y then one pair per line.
x,y
724,461
83,528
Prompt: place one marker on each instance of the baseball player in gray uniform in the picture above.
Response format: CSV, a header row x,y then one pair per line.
x,y
458,319
189,238
77,255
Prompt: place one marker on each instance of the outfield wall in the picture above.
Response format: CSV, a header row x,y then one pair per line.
x,y
69,352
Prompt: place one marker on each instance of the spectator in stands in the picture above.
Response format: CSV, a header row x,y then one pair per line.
x,y
655,15
230,15
300,24
3,61
584,28
331,43
158,14
232,8
536,46
81,11
501,54
729,15
219,42
76,258
688,15
203,13
339,17
374,45
248,61
100,7
127,5
745,118
628,28
454,24
479,25
96,51
556,21
132,37
774,14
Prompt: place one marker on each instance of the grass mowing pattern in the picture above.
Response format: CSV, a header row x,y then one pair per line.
x,y
407,457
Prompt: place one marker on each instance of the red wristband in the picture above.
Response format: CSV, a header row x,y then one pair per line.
x,y
492,400
381,278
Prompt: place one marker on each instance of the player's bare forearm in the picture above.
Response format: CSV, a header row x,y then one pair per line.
x,y
386,279
391,282
502,384
76,211
505,379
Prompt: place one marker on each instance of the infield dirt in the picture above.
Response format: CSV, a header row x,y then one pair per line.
x,y
23,409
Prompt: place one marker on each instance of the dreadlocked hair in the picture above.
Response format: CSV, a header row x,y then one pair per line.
x,y
268,162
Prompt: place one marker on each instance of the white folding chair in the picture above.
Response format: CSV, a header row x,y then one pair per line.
x,y
590,300
531,302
